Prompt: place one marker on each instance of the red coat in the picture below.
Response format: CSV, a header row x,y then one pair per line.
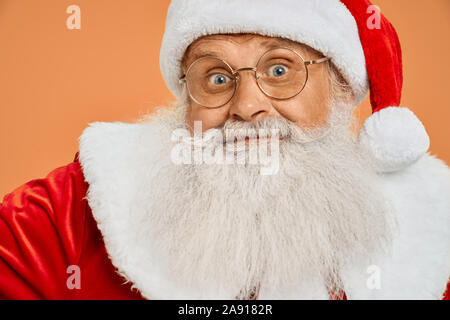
x,y
47,226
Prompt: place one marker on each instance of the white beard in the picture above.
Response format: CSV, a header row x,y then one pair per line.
x,y
227,226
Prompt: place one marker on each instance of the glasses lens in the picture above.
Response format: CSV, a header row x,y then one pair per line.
x,y
281,73
210,82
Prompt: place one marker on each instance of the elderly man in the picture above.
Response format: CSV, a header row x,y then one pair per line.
x,y
253,186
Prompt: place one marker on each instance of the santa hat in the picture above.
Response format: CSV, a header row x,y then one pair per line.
x,y
360,41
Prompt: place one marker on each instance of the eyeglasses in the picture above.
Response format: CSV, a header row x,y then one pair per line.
x,y
280,73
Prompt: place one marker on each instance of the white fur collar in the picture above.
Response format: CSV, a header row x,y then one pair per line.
x,y
117,160
419,264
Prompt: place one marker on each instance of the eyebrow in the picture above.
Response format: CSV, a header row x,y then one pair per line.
x,y
204,53
269,44
201,53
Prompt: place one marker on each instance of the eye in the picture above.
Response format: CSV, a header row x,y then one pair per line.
x,y
219,79
278,71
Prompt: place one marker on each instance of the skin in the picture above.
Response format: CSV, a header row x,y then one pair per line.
x,y
308,109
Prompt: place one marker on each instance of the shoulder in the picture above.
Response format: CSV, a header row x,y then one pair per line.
x,y
429,174
417,266
47,193
42,226
421,195
49,206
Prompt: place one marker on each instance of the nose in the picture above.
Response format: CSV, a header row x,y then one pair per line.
x,y
249,102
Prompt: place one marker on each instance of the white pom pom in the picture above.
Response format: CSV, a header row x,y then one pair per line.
x,y
395,137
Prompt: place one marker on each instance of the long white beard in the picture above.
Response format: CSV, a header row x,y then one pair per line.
x,y
228,226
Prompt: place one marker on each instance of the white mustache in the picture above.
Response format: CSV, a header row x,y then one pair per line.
x,y
234,131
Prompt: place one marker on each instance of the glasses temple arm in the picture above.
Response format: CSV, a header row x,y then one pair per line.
x,y
317,61
182,79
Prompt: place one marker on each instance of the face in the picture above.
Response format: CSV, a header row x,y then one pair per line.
x,y
250,103
230,229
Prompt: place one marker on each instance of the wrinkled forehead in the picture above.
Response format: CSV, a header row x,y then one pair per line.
x,y
219,44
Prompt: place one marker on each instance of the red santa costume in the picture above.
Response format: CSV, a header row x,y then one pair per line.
x,y
80,215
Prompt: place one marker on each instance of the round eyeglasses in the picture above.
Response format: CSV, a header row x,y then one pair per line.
x,y
280,73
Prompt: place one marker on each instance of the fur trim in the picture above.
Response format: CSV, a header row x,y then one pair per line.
x,y
395,137
112,156
118,160
419,264
302,21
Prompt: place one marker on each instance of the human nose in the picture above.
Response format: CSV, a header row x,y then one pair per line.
x,y
249,102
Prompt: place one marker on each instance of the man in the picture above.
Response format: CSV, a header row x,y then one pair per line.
x,y
168,208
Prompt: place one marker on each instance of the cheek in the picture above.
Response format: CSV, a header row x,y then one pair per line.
x,y
309,109
210,118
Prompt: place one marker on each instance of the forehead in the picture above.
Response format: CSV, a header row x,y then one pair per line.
x,y
240,39
223,46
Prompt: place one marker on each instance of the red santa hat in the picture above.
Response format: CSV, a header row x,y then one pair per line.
x,y
360,41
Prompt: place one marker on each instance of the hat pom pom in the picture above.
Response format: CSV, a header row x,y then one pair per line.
x,y
395,138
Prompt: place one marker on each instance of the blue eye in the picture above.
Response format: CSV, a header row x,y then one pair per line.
x,y
278,71
219,79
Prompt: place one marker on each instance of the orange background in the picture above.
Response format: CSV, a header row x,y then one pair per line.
x,y
54,81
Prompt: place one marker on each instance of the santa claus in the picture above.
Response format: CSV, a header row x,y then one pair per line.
x,y
156,209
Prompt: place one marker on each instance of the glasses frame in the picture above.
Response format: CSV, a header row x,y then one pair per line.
x,y
235,75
